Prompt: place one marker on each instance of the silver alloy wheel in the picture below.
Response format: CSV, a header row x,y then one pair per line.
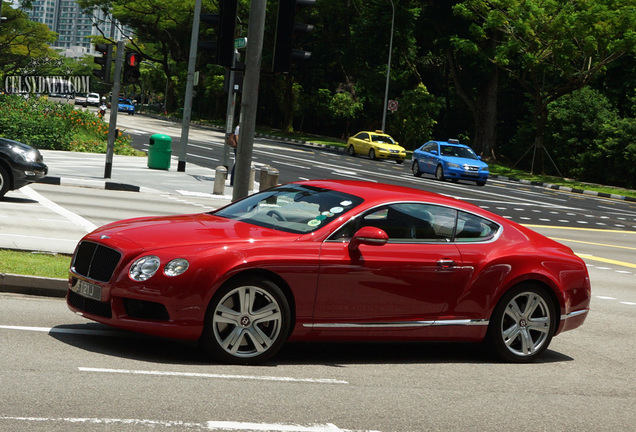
x,y
372,154
247,322
351,150
525,325
415,168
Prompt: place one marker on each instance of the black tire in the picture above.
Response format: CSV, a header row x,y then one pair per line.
x,y
372,154
5,181
481,183
399,161
351,150
249,331
439,173
522,324
415,168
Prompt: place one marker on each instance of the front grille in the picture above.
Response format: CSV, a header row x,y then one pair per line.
x,y
95,261
471,168
89,306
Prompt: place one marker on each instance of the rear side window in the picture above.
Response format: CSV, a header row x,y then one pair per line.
x,y
472,228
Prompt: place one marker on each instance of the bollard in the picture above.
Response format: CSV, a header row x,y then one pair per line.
x,y
263,178
219,180
252,177
273,177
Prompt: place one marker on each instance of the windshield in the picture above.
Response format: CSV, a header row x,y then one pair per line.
x,y
383,139
462,152
291,208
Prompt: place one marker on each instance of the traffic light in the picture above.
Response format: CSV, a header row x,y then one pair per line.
x,y
286,27
131,67
105,60
224,24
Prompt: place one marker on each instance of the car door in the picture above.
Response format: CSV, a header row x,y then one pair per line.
x,y
359,142
428,161
406,282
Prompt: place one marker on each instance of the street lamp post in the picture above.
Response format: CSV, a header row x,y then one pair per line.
x,y
388,71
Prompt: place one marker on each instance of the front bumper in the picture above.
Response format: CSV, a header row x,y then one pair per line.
x,y
24,174
462,174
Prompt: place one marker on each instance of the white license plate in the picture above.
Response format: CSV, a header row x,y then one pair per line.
x,y
89,290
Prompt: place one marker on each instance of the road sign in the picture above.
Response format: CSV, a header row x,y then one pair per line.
x,y
240,43
392,105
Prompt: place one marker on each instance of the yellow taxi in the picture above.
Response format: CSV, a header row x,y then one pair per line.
x,y
376,145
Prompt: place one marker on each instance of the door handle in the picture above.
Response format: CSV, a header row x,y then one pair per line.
x,y
446,264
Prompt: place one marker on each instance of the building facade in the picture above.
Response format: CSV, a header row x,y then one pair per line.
x,y
67,19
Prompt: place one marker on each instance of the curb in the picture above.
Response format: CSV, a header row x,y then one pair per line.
x,y
33,285
59,181
565,188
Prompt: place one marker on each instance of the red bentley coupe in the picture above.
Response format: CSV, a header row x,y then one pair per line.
x,y
332,260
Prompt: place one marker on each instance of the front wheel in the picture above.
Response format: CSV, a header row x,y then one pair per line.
x,y
522,324
372,154
439,173
247,322
415,168
351,150
4,181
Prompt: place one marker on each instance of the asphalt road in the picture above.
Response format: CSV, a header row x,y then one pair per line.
x,y
60,372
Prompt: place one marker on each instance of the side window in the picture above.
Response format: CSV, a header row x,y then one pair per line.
x,y
430,147
362,136
472,228
412,222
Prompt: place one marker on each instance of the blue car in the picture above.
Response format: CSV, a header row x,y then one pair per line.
x,y
449,160
125,105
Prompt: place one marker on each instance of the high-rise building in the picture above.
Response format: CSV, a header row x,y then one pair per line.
x,y
66,18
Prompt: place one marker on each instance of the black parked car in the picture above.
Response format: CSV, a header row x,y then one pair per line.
x,y
20,164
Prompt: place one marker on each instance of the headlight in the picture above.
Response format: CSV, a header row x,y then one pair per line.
x,y
24,154
452,165
176,267
144,268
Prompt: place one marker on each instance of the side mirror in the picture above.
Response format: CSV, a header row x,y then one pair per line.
x,y
434,152
369,235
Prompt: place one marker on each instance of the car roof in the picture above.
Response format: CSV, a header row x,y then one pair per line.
x,y
377,193
450,143
374,133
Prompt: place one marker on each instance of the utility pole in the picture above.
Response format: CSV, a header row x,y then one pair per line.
x,y
187,104
231,103
249,99
114,104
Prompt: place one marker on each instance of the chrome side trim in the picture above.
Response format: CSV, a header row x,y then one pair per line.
x,y
461,322
575,313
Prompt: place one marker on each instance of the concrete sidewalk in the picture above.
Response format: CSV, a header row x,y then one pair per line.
x,y
131,173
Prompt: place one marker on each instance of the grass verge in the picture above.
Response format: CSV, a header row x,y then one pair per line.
x,y
34,263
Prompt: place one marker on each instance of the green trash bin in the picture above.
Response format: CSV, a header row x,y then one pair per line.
x,y
159,152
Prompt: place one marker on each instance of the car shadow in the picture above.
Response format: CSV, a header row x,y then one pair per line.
x,y
17,200
102,339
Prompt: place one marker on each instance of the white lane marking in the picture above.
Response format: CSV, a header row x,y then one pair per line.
x,y
217,376
75,218
210,425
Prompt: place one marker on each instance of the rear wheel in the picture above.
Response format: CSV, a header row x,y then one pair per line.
x,y
247,322
439,173
415,168
351,150
372,154
4,181
522,324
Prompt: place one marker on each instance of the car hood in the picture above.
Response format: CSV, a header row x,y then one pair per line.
x,y
151,233
465,161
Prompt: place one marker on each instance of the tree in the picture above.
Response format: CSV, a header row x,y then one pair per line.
x,y
553,47
22,40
